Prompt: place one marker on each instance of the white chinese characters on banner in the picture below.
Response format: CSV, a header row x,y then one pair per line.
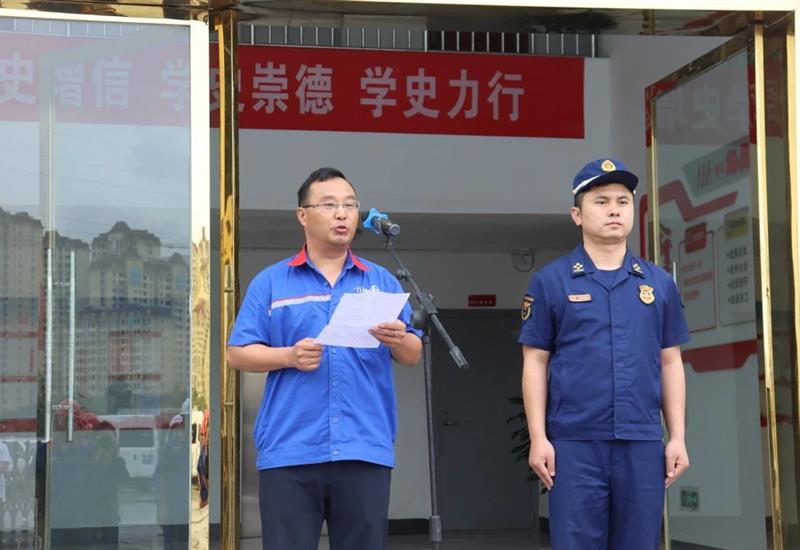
x,y
69,85
111,77
465,87
175,77
377,84
270,87
214,87
706,109
110,80
418,88
315,89
738,110
513,91
710,107
671,112
14,73
313,86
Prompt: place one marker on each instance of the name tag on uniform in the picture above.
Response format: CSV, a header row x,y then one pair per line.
x,y
580,297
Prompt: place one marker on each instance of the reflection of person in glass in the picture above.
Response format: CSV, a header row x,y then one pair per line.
x,y
5,466
109,473
202,460
71,522
325,431
20,480
171,485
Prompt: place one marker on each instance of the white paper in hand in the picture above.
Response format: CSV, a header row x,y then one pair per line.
x,y
357,313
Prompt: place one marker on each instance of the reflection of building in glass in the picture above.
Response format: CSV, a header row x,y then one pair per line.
x,y
124,355
131,337
135,332
21,271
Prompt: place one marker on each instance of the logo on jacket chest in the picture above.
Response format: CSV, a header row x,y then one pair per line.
x,y
646,294
361,289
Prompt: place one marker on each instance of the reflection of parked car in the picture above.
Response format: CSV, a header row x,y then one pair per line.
x,y
138,442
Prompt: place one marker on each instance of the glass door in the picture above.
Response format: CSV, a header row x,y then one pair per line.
x,y
721,227
101,228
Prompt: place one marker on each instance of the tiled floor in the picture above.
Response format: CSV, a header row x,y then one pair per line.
x,y
458,540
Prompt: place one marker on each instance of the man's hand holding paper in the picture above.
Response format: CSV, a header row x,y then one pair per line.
x,y
366,320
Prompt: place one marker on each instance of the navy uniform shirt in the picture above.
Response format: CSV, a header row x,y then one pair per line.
x,y
345,409
605,342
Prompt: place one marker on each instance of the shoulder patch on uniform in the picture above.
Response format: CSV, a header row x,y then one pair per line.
x,y
527,306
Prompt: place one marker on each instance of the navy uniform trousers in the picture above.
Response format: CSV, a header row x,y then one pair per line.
x,y
607,495
352,496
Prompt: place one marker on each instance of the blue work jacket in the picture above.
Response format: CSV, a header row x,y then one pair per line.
x,y
344,410
605,342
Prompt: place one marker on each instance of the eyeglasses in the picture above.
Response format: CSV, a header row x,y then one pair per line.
x,y
349,206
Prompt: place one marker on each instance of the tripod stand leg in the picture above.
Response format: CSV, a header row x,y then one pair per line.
x,y
435,519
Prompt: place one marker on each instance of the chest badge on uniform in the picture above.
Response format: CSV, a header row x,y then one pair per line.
x,y
580,297
527,306
646,294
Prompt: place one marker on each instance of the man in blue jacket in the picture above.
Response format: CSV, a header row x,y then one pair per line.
x,y
601,335
326,427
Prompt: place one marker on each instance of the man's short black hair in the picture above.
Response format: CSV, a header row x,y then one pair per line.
x,y
320,174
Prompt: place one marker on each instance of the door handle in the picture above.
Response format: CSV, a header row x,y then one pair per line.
x,y
71,373
450,422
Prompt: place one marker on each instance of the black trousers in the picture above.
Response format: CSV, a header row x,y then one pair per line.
x,y
352,496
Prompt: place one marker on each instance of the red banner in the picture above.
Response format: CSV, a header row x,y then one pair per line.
x,y
407,92
85,82
717,106
290,88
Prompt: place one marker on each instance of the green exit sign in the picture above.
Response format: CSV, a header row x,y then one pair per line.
x,y
690,499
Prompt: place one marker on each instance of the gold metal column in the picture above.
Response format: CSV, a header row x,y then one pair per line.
x,y
791,147
226,25
765,291
654,250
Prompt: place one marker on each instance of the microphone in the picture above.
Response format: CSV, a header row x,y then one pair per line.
x,y
380,223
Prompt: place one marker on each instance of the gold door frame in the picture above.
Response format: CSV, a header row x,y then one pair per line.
x,y
752,41
200,275
226,25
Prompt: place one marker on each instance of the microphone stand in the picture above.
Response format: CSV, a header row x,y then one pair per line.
x,y
425,315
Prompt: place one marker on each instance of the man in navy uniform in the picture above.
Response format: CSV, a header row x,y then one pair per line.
x,y
601,335
326,427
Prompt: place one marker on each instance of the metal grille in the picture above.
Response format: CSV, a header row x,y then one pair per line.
x,y
582,45
54,27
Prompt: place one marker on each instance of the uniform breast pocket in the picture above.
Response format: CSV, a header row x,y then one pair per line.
x,y
580,317
373,355
647,318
